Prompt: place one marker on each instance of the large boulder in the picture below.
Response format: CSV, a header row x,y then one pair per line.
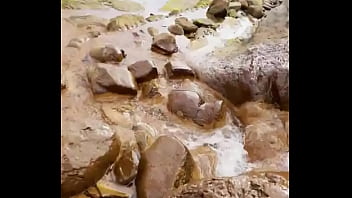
x,y
165,44
164,166
109,78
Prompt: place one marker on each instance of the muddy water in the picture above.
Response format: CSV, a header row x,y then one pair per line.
x,y
226,138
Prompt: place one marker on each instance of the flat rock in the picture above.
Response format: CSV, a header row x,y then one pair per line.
x,y
217,10
109,78
164,166
184,103
188,26
175,29
143,71
165,44
255,186
175,69
108,53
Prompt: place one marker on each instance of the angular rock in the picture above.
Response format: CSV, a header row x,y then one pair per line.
x,y
109,78
153,31
150,89
235,5
255,186
204,22
188,26
165,44
125,22
126,167
208,113
164,166
107,53
145,135
79,173
255,11
206,159
175,29
175,69
143,71
184,103
217,10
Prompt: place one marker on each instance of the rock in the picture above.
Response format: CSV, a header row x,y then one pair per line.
x,y
79,173
175,29
125,22
204,22
235,5
184,103
127,6
255,11
208,113
244,4
256,186
176,69
166,165
153,17
165,44
145,135
126,167
206,159
188,26
217,10
232,13
150,89
152,31
143,71
108,78
107,53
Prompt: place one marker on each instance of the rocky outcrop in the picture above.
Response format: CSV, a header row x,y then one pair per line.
x,y
165,44
175,29
176,69
109,78
164,166
143,71
108,53
255,186
217,10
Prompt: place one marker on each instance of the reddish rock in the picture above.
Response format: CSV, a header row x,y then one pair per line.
x,y
143,71
176,69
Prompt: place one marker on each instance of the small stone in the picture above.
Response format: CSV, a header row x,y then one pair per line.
x,y
165,44
235,5
186,102
188,26
152,31
175,69
109,78
143,71
107,53
176,29
256,11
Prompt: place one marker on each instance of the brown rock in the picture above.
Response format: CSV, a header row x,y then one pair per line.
x,y
217,10
109,78
83,163
256,11
208,113
188,26
255,186
166,165
206,159
143,71
176,29
165,44
126,167
107,53
176,69
184,103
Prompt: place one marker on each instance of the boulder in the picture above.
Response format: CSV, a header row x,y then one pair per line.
x,y
175,29
143,71
108,53
175,69
164,166
188,26
109,78
165,44
217,10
